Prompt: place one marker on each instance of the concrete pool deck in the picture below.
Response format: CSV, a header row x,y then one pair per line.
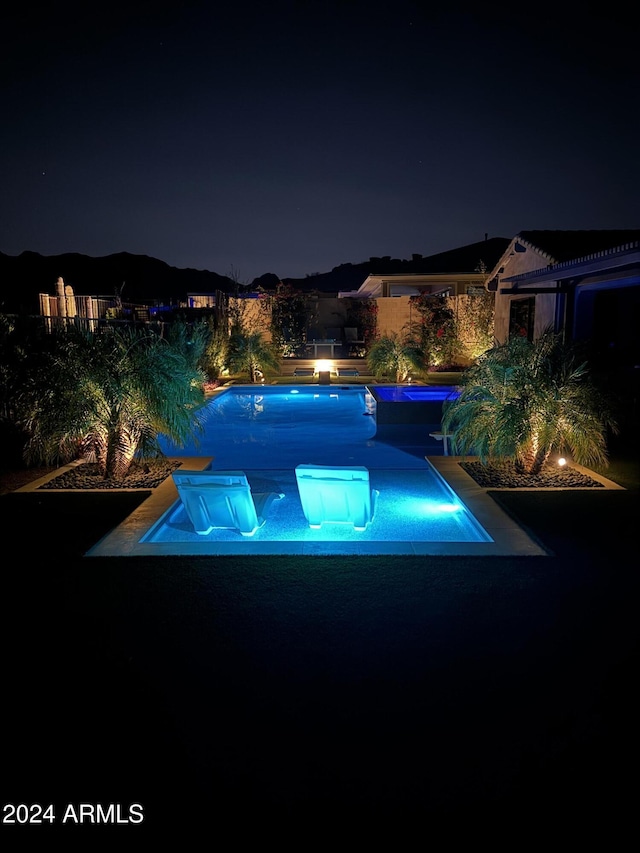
x,y
509,539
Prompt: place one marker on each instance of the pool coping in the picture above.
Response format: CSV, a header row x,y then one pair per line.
x,y
509,538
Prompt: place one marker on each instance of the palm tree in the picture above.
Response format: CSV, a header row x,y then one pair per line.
x,y
395,356
106,397
248,352
523,400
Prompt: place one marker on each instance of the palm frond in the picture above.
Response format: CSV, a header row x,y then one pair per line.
x,y
526,399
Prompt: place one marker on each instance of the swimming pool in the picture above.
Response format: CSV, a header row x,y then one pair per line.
x,y
281,426
266,433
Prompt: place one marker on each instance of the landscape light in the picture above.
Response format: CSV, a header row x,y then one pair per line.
x,y
562,461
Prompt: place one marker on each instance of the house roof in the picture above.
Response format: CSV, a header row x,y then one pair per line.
x,y
464,259
409,283
561,246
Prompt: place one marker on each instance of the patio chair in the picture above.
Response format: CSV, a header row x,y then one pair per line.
x,y
336,495
222,500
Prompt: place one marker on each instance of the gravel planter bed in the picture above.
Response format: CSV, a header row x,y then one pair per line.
x,y
149,475
141,475
502,475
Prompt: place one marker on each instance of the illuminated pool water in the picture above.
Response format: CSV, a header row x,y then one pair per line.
x,y
281,426
416,393
266,432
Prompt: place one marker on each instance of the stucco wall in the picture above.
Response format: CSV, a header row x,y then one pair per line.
x,y
520,261
254,315
394,313
545,313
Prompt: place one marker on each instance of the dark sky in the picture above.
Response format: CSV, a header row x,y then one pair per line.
x,y
293,137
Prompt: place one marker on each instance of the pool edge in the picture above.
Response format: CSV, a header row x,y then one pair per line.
x,y
509,539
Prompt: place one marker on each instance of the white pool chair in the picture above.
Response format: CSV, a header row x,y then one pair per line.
x,y
183,477
222,500
336,495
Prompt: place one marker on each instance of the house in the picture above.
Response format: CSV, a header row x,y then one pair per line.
x,y
455,276
586,284
392,294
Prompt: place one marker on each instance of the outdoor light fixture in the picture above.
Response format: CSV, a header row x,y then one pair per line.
x,y
562,461
323,369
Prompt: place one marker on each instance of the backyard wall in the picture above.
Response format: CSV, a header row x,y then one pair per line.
x,y
394,314
255,318
474,339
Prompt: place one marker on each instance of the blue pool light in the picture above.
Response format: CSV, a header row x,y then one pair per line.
x,y
448,507
421,506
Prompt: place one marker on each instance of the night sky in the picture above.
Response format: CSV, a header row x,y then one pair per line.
x,y
293,137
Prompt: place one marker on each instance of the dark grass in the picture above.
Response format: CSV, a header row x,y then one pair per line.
x,y
486,695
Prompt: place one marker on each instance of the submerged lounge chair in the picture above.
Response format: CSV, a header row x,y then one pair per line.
x,y
336,494
222,499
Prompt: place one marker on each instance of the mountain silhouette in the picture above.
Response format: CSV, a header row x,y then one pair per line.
x,y
141,279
